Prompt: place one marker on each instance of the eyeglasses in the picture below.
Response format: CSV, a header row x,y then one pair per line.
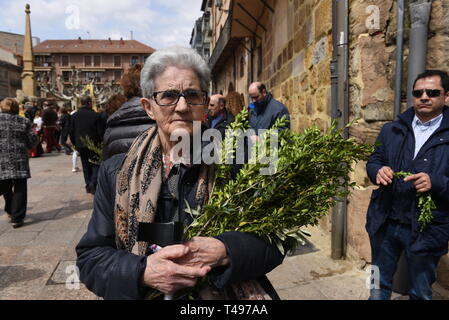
x,y
431,93
171,97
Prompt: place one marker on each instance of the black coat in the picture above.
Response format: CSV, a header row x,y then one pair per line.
x,y
64,122
123,126
116,274
86,122
49,117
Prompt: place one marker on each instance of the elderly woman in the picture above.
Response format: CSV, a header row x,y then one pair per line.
x,y
16,138
140,193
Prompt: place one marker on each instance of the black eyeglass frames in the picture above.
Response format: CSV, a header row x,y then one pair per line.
x,y
431,93
171,97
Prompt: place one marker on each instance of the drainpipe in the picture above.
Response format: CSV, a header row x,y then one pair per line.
x,y
340,111
399,58
420,16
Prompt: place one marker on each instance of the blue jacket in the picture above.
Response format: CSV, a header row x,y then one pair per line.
x,y
396,143
265,114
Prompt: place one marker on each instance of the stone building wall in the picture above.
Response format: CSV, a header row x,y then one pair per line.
x,y
297,50
371,75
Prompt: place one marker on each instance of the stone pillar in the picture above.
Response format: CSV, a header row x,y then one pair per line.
x,y
28,80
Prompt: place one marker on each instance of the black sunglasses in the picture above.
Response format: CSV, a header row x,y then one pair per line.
x,y
431,93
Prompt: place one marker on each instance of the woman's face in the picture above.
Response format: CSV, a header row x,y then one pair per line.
x,y
173,119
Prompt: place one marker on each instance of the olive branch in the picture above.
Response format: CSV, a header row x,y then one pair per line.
x,y
425,203
312,172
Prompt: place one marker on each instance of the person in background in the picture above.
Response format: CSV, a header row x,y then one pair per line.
x,y
64,123
16,138
234,101
266,108
129,120
113,104
38,121
218,117
31,109
49,125
418,143
75,153
87,124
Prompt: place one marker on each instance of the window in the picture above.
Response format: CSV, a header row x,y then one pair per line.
x,y
134,60
64,61
93,75
97,61
43,61
87,61
117,75
117,61
66,76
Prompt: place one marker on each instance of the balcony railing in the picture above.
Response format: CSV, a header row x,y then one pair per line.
x,y
43,64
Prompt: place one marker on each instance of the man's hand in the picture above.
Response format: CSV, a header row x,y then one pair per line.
x,y
384,176
165,275
421,181
205,251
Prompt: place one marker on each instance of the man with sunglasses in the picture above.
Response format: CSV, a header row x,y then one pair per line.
x,y
417,142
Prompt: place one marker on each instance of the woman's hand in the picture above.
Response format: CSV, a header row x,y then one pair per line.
x,y
166,275
205,251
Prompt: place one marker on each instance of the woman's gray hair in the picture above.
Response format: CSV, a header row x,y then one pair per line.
x,y
174,56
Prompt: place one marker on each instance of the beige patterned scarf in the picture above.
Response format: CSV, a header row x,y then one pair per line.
x,y
138,186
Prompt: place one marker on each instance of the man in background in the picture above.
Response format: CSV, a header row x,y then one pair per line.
x,y
86,124
218,117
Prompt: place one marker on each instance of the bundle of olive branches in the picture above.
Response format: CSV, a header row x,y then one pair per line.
x,y
312,171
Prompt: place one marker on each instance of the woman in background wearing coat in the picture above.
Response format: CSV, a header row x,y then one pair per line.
x,y
130,120
16,138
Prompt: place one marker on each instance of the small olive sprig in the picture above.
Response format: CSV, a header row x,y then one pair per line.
x,y
425,203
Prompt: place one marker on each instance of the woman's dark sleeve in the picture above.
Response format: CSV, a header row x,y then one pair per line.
x,y
106,271
249,258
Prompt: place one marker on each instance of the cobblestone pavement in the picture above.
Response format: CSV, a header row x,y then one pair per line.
x,y
37,260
